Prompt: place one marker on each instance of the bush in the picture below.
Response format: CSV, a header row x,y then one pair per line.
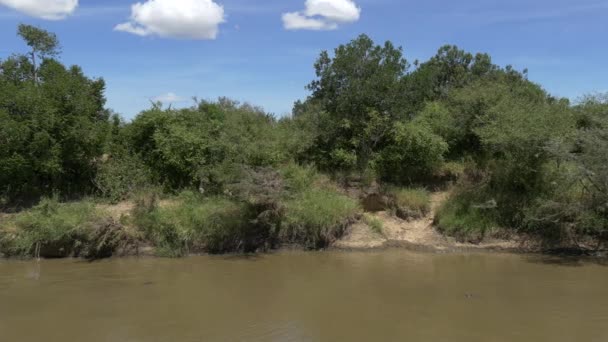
x,y
414,153
409,202
316,217
199,146
465,218
121,176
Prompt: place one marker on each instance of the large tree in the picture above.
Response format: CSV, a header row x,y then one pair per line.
x,y
360,90
51,131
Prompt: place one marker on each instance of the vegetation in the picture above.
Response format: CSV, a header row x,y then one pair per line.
x,y
374,223
236,179
52,229
410,202
193,224
317,217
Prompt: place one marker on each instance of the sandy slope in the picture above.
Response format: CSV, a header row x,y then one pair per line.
x,y
415,234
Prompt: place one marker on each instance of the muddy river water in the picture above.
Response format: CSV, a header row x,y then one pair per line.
x,y
393,295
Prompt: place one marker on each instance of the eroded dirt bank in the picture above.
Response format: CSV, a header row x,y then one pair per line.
x,y
417,234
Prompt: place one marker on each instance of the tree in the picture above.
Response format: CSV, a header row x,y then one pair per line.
x,y
43,44
53,130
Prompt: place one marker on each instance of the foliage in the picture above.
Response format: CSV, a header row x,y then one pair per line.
x,y
358,96
361,76
121,176
466,217
450,69
414,153
205,145
577,208
42,42
522,160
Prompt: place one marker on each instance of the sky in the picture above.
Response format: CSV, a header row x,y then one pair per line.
x,y
263,51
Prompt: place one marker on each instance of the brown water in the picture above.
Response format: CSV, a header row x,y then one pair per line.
x,y
381,296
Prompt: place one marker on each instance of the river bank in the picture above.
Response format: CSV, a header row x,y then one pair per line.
x,y
114,234
420,234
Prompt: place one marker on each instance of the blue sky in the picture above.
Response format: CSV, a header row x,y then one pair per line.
x,y
254,58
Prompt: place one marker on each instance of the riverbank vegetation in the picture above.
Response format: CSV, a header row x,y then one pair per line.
x,y
221,176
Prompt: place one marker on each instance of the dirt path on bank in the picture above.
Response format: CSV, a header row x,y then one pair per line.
x,y
417,234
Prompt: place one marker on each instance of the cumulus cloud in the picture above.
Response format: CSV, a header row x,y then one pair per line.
x,y
45,9
185,19
168,98
322,15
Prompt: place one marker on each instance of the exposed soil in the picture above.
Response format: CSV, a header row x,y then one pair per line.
x,y
419,234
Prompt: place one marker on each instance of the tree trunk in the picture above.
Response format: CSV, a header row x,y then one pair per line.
x,y
35,67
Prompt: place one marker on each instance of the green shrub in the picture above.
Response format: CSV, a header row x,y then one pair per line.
x,y
121,176
410,202
316,217
414,153
299,178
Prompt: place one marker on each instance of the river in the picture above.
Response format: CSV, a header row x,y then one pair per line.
x,y
392,295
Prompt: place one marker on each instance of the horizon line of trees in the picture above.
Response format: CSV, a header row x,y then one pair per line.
x,y
540,161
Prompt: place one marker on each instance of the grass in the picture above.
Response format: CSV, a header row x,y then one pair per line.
x,y
317,217
410,202
374,223
299,178
192,224
310,212
53,229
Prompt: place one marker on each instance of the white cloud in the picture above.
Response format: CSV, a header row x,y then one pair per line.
x,y
343,11
322,15
185,19
168,98
45,9
298,21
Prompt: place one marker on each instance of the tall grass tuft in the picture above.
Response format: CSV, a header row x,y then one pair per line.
x,y
316,217
374,223
193,224
53,229
410,202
